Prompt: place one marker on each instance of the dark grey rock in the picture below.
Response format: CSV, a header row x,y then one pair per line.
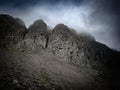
x,y
36,37
20,21
59,59
69,47
62,30
11,31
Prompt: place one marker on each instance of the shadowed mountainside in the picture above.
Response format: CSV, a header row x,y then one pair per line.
x,y
60,59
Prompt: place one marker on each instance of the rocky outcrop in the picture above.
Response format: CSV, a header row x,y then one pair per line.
x,y
11,31
36,37
39,59
70,47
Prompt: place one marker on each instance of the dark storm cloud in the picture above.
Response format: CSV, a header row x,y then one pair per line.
x,y
24,3
17,3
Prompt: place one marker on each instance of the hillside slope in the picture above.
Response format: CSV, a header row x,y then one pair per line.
x,y
40,59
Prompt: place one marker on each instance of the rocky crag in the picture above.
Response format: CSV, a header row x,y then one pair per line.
x,y
60,59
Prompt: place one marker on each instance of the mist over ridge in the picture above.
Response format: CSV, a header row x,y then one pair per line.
x,y
99,18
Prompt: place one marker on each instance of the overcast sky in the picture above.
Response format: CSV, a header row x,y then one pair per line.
x,y
100,18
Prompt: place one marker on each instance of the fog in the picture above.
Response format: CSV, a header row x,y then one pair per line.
x,y
83,18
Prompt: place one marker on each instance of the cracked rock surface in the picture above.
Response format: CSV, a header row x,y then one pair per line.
x,y
60,59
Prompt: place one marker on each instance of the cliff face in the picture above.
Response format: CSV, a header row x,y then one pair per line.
x,y
38,58
36,37
11,30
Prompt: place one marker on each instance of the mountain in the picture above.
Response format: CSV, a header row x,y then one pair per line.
x,y
60,59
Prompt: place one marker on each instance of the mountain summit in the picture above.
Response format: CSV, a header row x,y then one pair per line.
x,y
41,59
